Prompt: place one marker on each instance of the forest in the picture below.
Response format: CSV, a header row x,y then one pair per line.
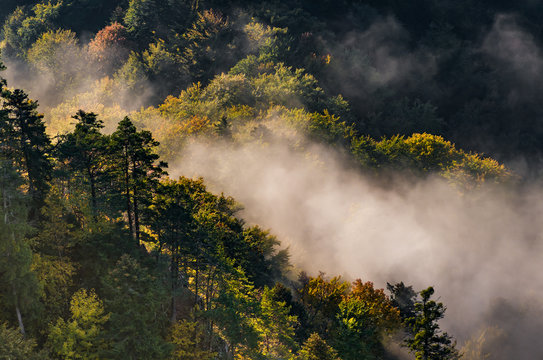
x,y
297,180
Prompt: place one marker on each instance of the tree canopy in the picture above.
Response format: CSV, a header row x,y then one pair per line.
x,y
104,255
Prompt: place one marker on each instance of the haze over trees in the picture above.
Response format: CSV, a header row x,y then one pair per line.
x,y
103,255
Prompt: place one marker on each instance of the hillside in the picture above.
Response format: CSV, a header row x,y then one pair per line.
x,y
238,180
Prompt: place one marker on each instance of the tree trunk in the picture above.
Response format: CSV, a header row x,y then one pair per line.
x,y
136,217
94,205
15,300
196,283
127,189
18,311
174,269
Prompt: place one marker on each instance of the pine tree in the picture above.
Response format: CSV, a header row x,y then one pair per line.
x,y
403,298
136,170
83,154
428,343
23,140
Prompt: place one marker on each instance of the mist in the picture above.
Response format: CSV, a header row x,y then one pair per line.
x,y
481,250
375,57
67,76
517,57
477,250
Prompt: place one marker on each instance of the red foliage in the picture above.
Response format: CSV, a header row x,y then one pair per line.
x,y
110,45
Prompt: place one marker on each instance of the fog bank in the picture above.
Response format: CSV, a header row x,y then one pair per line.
x,y
478,250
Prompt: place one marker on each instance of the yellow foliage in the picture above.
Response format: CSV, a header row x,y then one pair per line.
x,y
379,306
195,125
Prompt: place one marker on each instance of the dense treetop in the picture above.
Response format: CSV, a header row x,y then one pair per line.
x,y
441,67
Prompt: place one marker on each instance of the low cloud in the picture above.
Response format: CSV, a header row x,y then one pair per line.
x,y
516,56
474,248
379,56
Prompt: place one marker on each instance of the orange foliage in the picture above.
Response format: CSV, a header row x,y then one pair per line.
x,y
379,306
195,125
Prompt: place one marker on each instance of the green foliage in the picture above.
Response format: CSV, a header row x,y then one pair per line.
x,y
209,46
135,170
172,225
272,71
133,74
275,326
425,153
234,101
21,30
13,345
427,342
141,18
84,153
82,336
99,247
321,299
365,315
323,128
272,43
190,341
58,53
357,335
59,226
148,20
137,300
403,298
26,144
315,348
259,256
279,85
18,283
234,312
19,136
165,67
57,278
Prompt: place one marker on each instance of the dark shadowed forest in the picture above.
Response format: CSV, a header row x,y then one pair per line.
x,y
297,180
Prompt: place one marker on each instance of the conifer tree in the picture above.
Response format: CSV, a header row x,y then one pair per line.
x,y
403,297
83,152
428,342
136,170
23,140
